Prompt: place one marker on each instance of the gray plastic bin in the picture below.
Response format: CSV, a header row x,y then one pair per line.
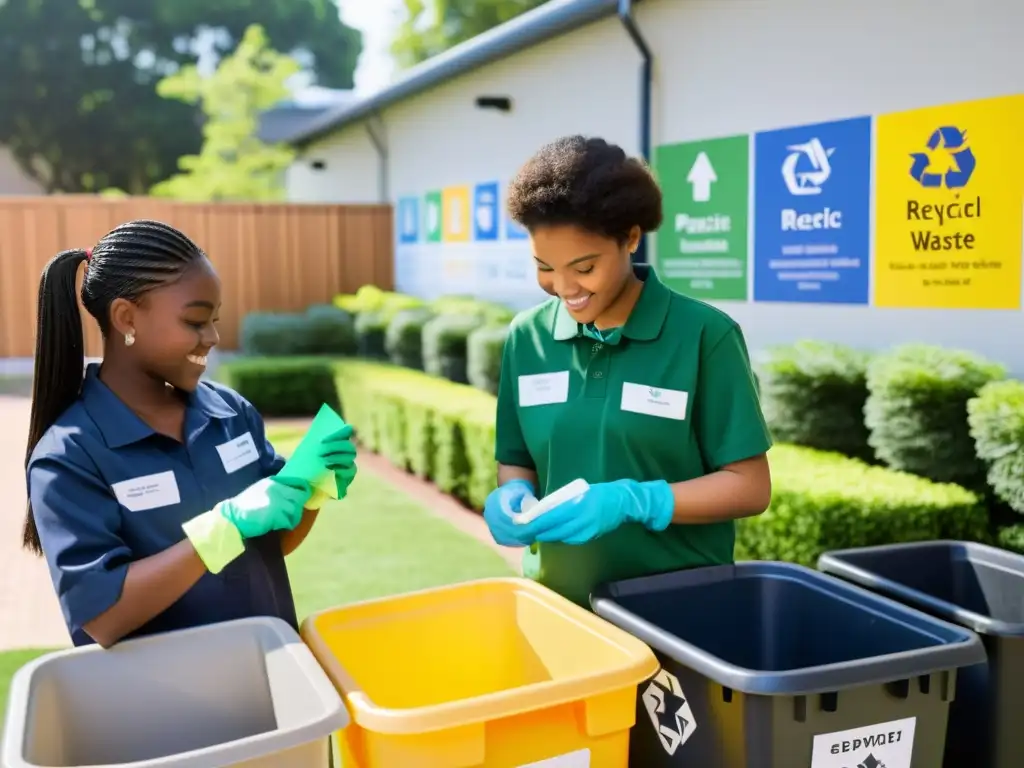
x,y
978,587
245,693
772,665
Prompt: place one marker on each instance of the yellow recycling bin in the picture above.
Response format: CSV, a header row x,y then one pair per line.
x,y
495,673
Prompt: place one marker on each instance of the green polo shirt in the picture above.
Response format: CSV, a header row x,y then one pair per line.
x,y
673,399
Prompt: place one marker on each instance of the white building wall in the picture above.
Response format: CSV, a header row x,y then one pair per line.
x,y
722,67
350,170
13,180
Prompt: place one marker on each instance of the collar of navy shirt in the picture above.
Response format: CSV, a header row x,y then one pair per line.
x,y
645,321
120,425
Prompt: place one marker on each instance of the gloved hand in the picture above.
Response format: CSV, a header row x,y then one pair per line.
x,y
339,454
502,503
273,503
602,509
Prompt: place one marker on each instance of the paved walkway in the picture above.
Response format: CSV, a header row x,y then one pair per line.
x,y
29,612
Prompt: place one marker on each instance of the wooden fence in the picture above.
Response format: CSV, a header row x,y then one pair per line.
x,y
269,256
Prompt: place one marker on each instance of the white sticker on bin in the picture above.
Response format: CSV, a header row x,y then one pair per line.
x,y
669,711
888,744
578,759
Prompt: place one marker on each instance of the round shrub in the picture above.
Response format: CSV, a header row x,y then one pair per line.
x,y
996,420
916,411
403,339
484,347
813,394
371,328
321,330
1012,538
444,345
270,334
327,330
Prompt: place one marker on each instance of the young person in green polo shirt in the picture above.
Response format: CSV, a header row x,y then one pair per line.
x,y
646,394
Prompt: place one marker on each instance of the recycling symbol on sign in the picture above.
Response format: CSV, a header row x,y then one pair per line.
x,y
669,711
871,762
951,144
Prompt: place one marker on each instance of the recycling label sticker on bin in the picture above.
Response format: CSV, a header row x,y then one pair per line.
x,y
669,711
885,745
578,759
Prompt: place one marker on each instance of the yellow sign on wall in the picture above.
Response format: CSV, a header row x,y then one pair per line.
x,y
457,222
949,188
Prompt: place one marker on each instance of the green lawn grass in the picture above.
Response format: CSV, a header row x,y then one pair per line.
x,y
378,541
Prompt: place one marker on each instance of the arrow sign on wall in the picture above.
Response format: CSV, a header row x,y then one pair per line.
x,y
700,177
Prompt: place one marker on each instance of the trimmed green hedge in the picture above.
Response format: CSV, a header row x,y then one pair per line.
x,y
444,345
403,339
445,432
996,419
916,411
813,394
282,386
484,348
320,330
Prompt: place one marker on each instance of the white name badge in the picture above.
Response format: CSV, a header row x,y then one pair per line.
x,y
543,389
148,492
654,401
238,453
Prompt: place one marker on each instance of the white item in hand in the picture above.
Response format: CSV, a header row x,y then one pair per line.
x,y
532,509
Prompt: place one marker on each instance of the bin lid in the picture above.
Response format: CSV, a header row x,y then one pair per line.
x,y
859,565
949,646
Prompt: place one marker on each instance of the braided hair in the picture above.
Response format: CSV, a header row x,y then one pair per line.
x,y
131,260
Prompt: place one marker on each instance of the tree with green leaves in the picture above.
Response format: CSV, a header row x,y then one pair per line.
x,y
234,164
79,107
431,27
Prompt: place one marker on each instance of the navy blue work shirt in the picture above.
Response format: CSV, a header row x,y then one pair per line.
x,y
106,490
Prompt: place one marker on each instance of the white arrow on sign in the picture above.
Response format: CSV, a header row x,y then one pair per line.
x,y
701,175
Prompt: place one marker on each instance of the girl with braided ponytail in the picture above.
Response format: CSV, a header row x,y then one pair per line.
x,y
154,495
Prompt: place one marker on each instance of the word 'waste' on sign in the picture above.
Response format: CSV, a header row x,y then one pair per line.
x,y
702,244
948,222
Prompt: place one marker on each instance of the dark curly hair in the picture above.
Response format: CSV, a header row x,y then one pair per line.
x,y
588,183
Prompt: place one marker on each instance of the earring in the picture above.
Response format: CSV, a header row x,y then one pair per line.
x,y
129,338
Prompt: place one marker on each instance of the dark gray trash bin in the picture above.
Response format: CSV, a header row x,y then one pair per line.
x,y
978,587
772,665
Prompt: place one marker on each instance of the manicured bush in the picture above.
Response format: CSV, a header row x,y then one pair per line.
x,y
813,394
490,311
403,339
996,420
282,386
444,345
320,330
370,298
371,329
823,501
916,411
1012,538
483,356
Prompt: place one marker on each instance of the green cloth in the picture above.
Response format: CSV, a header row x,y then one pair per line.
x,y
674,400
305,463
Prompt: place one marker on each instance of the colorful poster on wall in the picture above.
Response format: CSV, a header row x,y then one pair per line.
x,y
456,226
812,227
432,217
486,220
407,219
948,206
702,244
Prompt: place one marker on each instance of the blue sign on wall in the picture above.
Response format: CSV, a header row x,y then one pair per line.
x,y
408,220
812,213
486,216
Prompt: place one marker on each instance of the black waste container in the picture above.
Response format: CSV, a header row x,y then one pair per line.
x,y
978,587
772,665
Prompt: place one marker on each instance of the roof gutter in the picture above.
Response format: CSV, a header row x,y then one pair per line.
x,y
646,76
376,131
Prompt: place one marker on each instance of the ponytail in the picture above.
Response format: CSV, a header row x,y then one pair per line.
x,y
59,360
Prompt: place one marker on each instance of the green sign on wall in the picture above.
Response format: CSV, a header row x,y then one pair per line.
x,y
702,244
432,216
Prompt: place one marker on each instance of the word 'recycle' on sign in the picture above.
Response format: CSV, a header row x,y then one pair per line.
x,y
883,745
812,213
702,245
948,206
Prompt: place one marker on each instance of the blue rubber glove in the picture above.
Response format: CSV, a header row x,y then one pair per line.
x,y
602,509
502,503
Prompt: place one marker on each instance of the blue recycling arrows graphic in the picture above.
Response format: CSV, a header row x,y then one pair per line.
x,y
954,141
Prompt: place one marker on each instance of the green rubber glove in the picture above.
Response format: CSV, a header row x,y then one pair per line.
x,y
338,453
271,504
